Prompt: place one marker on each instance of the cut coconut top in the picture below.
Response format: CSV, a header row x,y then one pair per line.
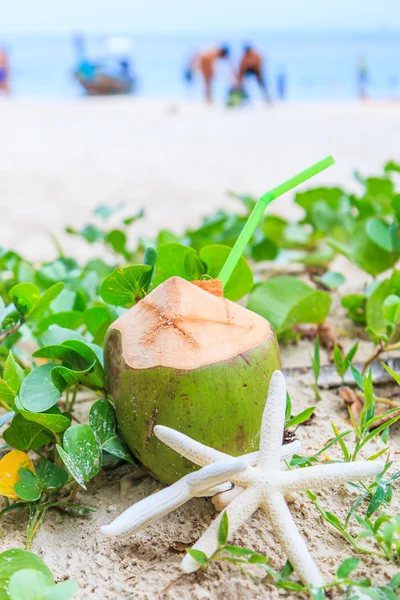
x,y
182,326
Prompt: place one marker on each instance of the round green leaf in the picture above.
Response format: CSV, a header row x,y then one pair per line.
x,y
38,392
50,475
241,280
126,285
82,447
391,308
51,419
15,560
29,584
102,420
28,487
25,435
24,296
379,233
176,260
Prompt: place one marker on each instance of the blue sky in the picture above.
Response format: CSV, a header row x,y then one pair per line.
x,y
186,16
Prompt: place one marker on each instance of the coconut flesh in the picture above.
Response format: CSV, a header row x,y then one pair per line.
x,y
188,359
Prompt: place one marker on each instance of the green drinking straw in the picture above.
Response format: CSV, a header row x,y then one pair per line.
x,y
258,212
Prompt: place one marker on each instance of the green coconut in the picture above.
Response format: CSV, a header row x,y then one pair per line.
x,y
188,359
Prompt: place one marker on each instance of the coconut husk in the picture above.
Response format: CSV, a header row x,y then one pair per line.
x,y
355,401
213,286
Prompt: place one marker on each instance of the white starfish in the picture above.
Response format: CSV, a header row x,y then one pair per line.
x,y
265,485
212,480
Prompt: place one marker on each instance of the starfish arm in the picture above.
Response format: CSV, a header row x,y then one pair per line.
x,y
203,455
154,507
213,475
333,474
222,499
292,542
273,422
150,509
197,452
286,451
238,511
216,490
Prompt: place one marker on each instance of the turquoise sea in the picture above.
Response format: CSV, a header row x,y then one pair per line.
x,y
316,67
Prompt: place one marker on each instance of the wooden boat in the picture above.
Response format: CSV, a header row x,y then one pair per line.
x,y
105,85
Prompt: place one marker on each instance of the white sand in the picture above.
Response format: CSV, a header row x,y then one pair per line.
x,y
59,158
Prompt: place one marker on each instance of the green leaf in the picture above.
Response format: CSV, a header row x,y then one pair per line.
x,y
104,425
391,309
29,584
25,435
50,475
177,260
6,394
41,306
69,319
97,316
150,257
238,551
57,335
102,420
347,567
223,530
333,520
50,419
355,307
15,560
364,252
81,363
267,249
13,374
358,378
115,446
331,280
338,361
258,559
396,376
303,416
71,466
83,449
38,392
379,233
28,487
24,296
287,301
375,303
376,501
117,240
241,280
125,286
198,556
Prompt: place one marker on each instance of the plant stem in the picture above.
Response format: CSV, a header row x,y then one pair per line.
x,y
10,331
70,405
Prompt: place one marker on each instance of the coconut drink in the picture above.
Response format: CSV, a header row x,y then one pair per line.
x,y
183,357
192,360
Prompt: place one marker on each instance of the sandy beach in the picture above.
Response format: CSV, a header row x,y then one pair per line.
x,y
59,159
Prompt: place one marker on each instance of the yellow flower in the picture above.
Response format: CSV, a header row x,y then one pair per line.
x,y
9,467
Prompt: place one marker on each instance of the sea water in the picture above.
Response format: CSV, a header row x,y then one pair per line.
x,y
315,66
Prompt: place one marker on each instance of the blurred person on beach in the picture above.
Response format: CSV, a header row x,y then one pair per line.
x,y
4,71
205,63
252,64
362,77
281,84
